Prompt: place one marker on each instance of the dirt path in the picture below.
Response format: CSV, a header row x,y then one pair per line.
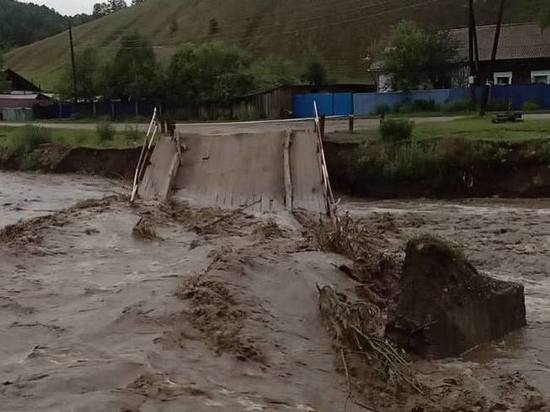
x,y
509,239
236,127
255,126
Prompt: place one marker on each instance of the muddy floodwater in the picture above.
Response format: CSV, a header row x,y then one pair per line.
x,y
26,195
508,239
92,318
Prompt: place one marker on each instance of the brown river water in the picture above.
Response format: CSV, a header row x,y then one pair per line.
x,y
508,239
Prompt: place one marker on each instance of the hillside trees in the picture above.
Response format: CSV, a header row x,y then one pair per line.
x,y
108,7
87,76
210,72
132,74
315,72
22,23
415,57
195,74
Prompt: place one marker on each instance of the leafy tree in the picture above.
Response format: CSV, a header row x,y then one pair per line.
x,y
210,72
100,10
415,56
132,73
108,7
545,18
273,72
82,18
315,71
87,81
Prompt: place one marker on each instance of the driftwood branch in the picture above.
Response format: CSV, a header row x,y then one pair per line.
x,y
229,216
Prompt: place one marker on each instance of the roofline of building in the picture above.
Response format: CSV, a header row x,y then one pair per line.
x,y
8,70
530,23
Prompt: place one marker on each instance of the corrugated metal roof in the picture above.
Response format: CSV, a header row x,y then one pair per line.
x,y
22,96
517,41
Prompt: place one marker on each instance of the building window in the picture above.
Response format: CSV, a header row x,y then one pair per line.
x,y
540,77
503,78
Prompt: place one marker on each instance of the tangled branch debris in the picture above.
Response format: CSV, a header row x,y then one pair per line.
x,y
144,230
358,327
216,313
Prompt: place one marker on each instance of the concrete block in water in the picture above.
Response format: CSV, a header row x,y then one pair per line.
x,y
446,306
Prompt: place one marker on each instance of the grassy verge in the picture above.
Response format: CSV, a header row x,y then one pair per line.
x,y
12,137
461,157
20,146
471,128
475,128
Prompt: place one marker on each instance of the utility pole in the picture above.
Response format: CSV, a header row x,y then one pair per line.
x,y
73,63
473,52
497,32
485,97
473,72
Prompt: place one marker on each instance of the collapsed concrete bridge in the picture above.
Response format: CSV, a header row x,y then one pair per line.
x,y
265,172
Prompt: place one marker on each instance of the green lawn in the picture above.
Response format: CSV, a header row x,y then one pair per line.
x,y
85,138
483,129
473,128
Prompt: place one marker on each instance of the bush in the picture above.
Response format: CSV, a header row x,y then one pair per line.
x,y
425,106
417,106
405,108
396,130
134,135
382,109
379,162
531,105
105,131
413,161
27,138
457,106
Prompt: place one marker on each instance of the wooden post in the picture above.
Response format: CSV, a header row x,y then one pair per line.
x,y
287,172
322,126
351,121
329,196
153,125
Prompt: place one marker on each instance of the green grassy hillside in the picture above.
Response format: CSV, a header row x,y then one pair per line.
x,y
342,30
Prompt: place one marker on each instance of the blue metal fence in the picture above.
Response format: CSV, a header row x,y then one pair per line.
x,y
519,95
367,103
115,109
328,104
364,104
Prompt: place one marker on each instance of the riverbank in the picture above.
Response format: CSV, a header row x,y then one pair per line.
x,y
440,168
455,158
459,170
